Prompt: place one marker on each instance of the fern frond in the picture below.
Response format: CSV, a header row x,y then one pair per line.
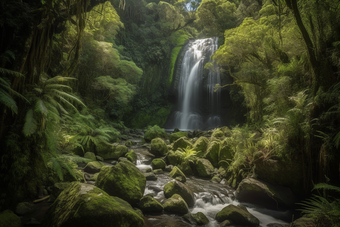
x,y
326,187
40,107
30,125
8,101
10,72
57,168
72,97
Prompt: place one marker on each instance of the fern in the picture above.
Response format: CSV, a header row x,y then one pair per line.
x,y
30,125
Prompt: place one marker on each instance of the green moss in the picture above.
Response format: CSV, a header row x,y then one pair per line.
x,y
218,133
237,215
175,136
158,147
201,146
90,155
158,163
181,143
174,158
150,205
9,219
154,132
176,172
213,153
204,168
176,187
176,205
143,119
131,156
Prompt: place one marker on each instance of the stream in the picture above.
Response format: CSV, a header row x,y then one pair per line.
x,y
210,198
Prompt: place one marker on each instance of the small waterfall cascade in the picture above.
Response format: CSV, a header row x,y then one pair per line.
x,y
196,89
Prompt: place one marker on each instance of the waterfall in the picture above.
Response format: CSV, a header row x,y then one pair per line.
x,y
198,105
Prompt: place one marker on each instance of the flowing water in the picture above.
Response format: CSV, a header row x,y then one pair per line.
x,y
192,83
210,199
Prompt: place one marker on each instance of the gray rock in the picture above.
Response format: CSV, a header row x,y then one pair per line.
x,y
150,176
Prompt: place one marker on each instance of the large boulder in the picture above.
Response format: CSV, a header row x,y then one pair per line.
x,y
93,167
237,216
176,187
107,151
120,151
186,167
154,132
288,174
90,155
176,173
158,163
174,158
158,147
123,180
197,219
226,153
150,205
181,143
265,194
87,205
176,205
201,146
131,156
9,219
175,136
204,168
212,153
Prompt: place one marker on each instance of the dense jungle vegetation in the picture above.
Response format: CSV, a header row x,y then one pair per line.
x,y
78,75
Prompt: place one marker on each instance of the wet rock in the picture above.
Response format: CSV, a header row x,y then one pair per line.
x,y
237,216
87,205
150,205
168,168
158,163
216,179
90,155
131,156
158,171
176,205
263,193
25,208
174,158
303,222
155,188
176,187
177,173
197,219
213,152
201,145
114,162
225,223
9,219
277,225
93,167
158,147
181,143
120,151
150,176
204,168
177,135
123,180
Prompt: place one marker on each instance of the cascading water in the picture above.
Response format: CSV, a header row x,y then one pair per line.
x,y
193,84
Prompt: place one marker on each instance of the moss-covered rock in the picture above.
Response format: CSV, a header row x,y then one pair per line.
x,y
265,194
174,158
176,205
181,143
176,187
93,167
123,180
176,173
237,216
90,155
158,171
204,168
216,179
154,132
99,158
131,156
120,151
107,151
175,136
25,208
128,143
9,219
212,153
226,153
185,167
158,147
150,176
197,219
87,205
158,163
218,133
201,146
150,205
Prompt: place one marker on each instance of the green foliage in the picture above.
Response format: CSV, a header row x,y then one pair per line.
x,y
145,118
324,208
188,153
154,132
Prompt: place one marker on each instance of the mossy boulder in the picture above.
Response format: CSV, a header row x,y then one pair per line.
x,y
197,219
99,158
204,168
154,132
90,155
158,171
265,194
107,151
212,153
176,187
174,158
150,176
25,208
158,147
186,167
218,133
201,145
226,153
131,156
158,163
87,205
176,205
120,151
9,219
93,167
176,173
123,180
181,143
237,216
175,136
150,205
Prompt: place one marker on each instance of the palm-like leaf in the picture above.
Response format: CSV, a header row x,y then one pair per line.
x,y
30,125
